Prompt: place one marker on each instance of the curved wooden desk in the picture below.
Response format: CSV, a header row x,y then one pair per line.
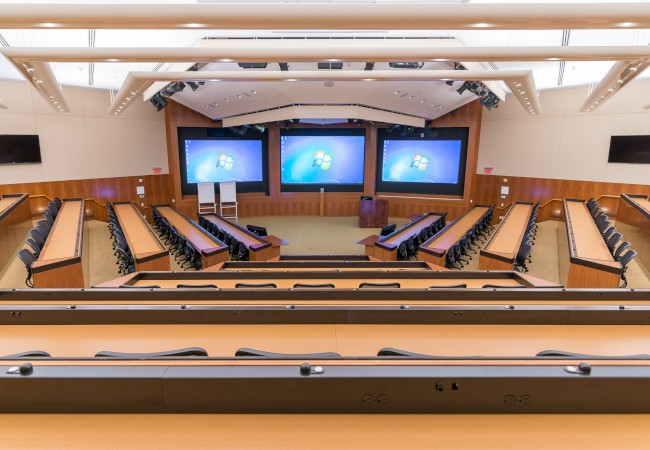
x,y
385,247
259,248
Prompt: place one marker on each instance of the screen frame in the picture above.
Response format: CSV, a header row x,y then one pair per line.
x,y
222,134
36,142
621,156
424,134
316,187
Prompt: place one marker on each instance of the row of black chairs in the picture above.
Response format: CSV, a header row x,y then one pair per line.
x,y
612,237
459,253
237,249
184,251
121,248
37,238
526,247
408,248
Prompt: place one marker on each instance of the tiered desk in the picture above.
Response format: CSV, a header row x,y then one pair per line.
x,y
583,256
212,250
15,222
149,253
500,251
435,249
259,248
59,263
385,247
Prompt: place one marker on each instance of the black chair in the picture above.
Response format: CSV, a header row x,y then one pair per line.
x,y
49,218
197,286
34,246
57,201
314,286
52,209
603,225
522,254
37,236
260,231
621,248
367,285
502,286
242,252
28,259
255,285
609,232
613,240
448,286
402,253
388,229
625,260
41,229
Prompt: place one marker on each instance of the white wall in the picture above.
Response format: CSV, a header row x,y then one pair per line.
x,y
86,142
562,142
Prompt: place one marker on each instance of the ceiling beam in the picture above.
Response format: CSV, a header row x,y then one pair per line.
x,y
40,75
328,16
137,82
313,50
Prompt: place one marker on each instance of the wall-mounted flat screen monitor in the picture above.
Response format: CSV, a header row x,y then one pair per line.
x,y
311,159
19,149
217,155
629,149
426,161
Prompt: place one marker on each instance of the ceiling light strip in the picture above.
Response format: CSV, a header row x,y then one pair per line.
x,y
324,16
618,77
42,78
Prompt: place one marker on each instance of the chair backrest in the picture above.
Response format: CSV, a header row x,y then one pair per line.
x,y
37,236
49,218
613,240
609,232
57,201
626,258
44,231
523,252
26,257
368,285
621,248
32,243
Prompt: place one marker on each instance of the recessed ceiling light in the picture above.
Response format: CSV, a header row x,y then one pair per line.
x,y
238,96
396,92
193,25
627,24
49,25
253,91
481,25
410,97
421,101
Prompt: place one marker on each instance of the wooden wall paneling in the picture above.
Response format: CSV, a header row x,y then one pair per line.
x,y
370,162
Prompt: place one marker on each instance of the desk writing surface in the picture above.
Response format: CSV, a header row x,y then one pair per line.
x,y
62,240
642,202
188,229
325,431
409,231
234,231
340,283
138,234
508,237
457,230
346,339
589,243
6,202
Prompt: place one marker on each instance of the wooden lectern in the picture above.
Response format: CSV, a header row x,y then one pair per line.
x,y
373,213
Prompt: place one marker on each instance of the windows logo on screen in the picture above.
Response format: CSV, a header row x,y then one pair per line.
x,y
225,161
322,160
420,161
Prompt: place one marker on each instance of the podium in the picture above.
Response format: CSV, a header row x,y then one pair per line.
x,y
373,213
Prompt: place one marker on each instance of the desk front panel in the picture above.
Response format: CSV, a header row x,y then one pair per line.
x,y
15,222
633,221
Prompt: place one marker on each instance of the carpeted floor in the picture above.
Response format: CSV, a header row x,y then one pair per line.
x,y
309,235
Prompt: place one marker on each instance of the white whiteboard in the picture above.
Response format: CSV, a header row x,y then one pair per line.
x,y
206,192
228,192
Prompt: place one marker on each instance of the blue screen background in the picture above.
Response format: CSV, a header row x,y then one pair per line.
x,y
298,154
442,166
202,159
